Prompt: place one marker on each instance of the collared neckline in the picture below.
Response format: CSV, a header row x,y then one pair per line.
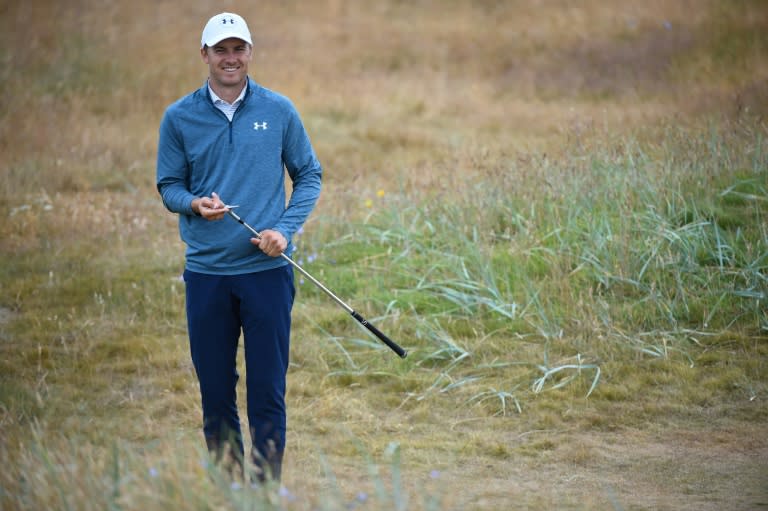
x,y
217,100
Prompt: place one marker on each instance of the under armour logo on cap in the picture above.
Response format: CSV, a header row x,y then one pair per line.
x,y
223,26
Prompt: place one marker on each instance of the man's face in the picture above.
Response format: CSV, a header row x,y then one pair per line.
x,y
227,62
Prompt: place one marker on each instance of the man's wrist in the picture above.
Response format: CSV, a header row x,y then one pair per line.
x,y
195,206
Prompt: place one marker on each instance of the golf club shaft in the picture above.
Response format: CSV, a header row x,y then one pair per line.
x,y
360,319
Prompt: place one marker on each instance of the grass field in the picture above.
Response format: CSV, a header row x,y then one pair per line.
x,y
559,208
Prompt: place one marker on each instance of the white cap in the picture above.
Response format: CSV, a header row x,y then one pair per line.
x,y
223,26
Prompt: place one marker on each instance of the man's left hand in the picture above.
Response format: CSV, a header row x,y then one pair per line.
x,y
272,243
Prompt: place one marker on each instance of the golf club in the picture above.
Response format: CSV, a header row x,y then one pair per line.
x,y
360,319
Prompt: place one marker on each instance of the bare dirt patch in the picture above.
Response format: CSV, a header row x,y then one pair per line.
x,y
685,468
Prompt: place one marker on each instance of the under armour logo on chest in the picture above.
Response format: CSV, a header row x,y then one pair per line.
x,y
260,125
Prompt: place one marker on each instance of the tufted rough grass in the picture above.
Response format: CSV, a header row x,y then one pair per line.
x,y
574,254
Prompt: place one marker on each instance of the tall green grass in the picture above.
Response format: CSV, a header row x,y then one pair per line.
x,y
622,249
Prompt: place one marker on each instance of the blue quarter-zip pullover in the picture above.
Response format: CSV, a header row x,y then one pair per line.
x,y
244,160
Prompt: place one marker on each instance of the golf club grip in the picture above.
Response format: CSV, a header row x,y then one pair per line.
x,y
378,333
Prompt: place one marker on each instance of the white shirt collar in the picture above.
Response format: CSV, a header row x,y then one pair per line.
x,y
217,99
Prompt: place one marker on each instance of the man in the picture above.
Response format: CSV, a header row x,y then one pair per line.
x,y
234,140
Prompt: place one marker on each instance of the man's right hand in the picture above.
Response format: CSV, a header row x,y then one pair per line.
x,y
210,208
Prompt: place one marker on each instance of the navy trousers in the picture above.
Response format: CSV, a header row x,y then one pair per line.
x,y
219,308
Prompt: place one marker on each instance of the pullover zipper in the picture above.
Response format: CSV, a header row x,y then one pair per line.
x,y
233,115
239,107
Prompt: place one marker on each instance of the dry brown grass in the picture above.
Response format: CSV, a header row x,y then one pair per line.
x,y
414,97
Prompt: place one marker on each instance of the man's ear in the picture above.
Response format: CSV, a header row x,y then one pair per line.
x,y
204,53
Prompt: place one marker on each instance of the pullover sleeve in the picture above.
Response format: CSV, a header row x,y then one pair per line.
x,y
306,173
172,172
